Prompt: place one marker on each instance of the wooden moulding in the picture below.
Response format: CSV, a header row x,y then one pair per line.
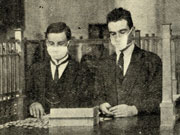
x,y
74,117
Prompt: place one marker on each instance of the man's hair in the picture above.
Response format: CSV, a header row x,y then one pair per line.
x,y
119,14
58,28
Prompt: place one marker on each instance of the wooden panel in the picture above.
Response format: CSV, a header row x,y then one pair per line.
x,y
12,12
11,81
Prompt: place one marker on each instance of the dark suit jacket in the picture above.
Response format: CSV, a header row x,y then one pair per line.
x,y
75,84
142,84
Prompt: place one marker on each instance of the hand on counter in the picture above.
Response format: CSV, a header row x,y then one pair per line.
x,y
105,109
121,110
36,110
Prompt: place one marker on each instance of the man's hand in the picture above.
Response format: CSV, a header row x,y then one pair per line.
x,y
36,110
123,110
105,109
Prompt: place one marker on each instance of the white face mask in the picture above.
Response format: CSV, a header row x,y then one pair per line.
x,y
57,52
121,42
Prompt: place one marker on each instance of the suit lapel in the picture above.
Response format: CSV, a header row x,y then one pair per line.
x,y
110,65
112,62
133,69
109,73
41,77
68,76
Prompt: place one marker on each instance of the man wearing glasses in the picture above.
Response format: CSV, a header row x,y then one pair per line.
x,y
57,81
130,80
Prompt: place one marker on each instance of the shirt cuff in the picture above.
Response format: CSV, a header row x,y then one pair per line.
x,y
134,110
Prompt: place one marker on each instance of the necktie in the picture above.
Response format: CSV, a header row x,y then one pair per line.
x,y
121,63
56,74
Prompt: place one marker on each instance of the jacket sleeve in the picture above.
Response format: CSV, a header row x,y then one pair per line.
x,y
89,91
32,92
150,103
100,93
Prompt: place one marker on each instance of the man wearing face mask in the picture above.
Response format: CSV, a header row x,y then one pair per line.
x,y
129,80
55,82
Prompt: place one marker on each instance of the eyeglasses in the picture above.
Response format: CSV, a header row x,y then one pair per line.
x,y
60,43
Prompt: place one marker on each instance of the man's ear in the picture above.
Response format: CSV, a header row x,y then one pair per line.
x,y
132,32
69,42
133,28
131,35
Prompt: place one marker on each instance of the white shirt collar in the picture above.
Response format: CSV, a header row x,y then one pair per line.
x,y
60,61
127,52
61,67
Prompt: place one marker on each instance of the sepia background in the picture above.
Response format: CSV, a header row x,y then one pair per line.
x,y
87,20
34,16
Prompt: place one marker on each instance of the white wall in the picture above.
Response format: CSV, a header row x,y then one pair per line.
x,y
172,14
143,14
76,13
